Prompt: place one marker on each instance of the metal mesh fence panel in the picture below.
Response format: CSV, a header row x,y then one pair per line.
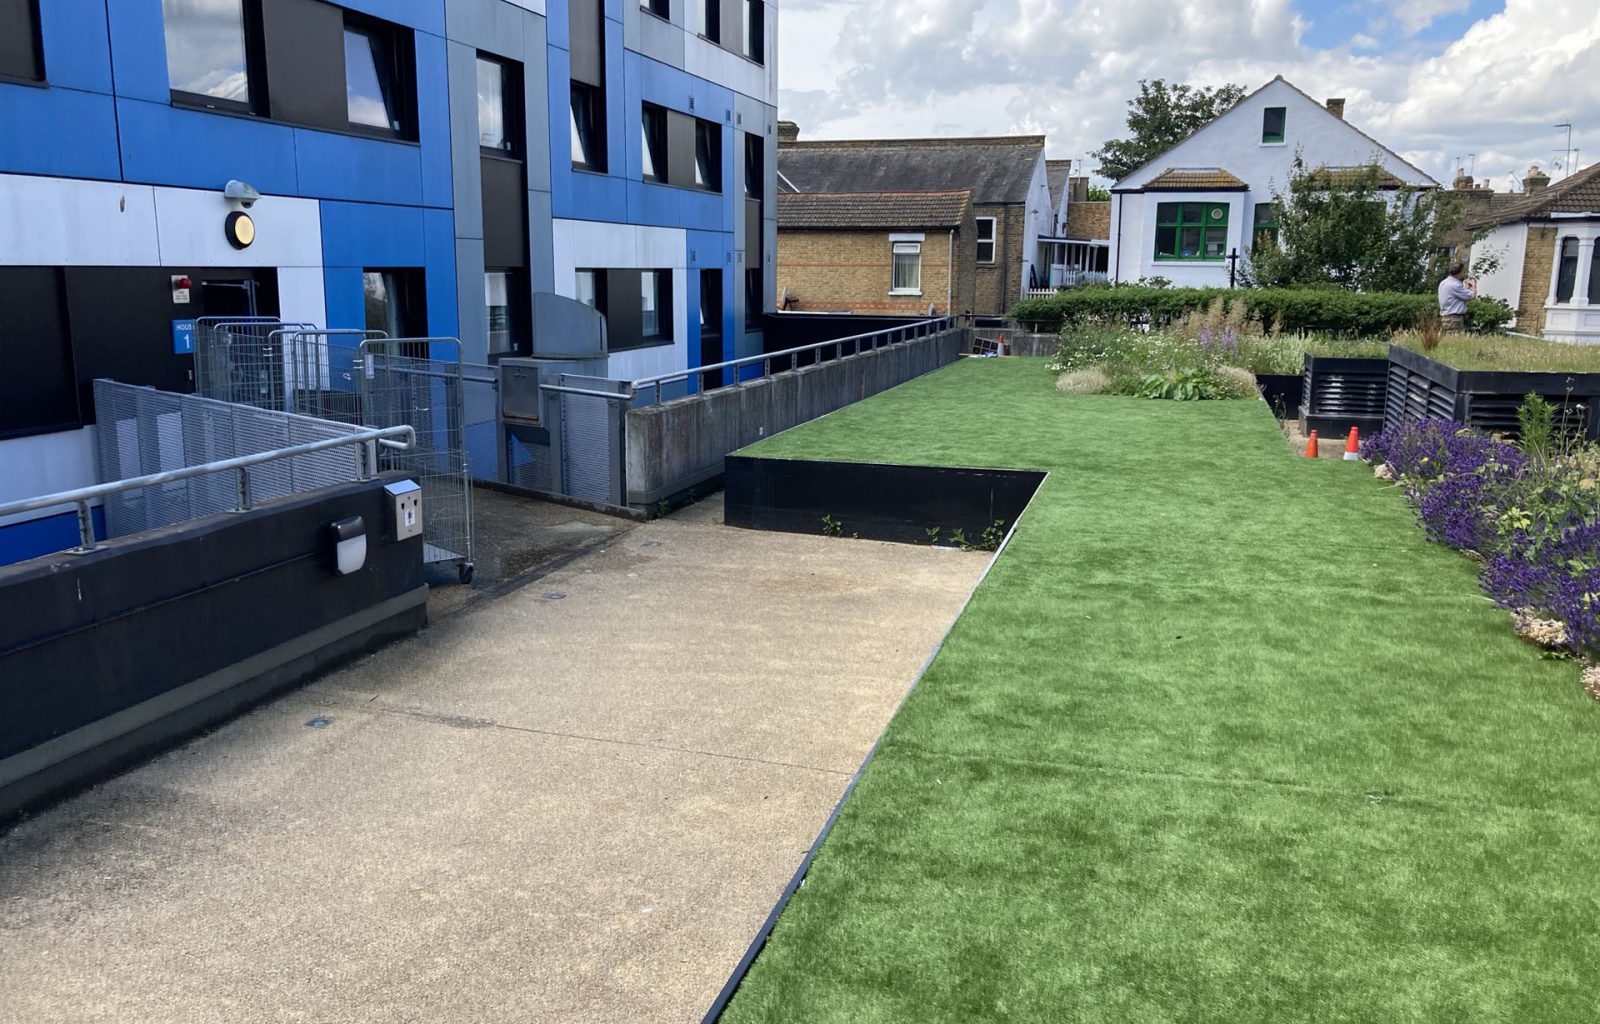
x,y
143,431
589,447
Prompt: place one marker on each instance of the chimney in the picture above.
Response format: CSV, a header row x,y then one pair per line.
x,y
1463,179
788,131
1078,190
1536,180
1336,108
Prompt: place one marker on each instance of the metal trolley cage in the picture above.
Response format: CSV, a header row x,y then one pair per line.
x,y
399,382
242,360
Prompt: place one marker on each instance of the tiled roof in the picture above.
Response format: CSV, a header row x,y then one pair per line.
x,y
1346,175
878,210
1577,193
996,169
1194,179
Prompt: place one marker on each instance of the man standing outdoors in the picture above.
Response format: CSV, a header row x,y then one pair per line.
x,y
1453,296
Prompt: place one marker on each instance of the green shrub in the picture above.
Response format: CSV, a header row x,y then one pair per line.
x,y
1274,310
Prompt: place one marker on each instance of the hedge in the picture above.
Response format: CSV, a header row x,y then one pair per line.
x,y
1296,310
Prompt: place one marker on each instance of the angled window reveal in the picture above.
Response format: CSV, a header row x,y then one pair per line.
x,y
708,155
1273,120
986,239
653,143
660,8
588,135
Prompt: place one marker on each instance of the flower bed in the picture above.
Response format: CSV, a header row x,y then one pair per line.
x,y
1531,512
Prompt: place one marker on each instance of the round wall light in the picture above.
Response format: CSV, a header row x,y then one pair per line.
x,y
240,229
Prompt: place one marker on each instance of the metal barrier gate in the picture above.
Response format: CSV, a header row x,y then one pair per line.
x,y
360,378
590,435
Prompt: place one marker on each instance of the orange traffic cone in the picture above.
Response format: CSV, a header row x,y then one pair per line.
x,y
1352,447
1311,445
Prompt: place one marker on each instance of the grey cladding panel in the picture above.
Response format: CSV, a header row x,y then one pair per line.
x,y
680,149
586,42
733,25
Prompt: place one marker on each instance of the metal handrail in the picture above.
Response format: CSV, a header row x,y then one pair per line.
x,y
919,329
370,438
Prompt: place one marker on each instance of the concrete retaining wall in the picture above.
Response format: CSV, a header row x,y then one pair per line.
x,y
674,446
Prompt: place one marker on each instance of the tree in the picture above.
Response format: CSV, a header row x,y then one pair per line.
x,y
1343,228
1159,118
1098,194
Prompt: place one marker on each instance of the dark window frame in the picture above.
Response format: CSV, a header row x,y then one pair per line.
x,y
754,296
1268,137
411,304
590,120
512,115
652,115
400,48
1567,250
1593,293
663,334
37,75
753,46
660,8
711,21
1264,224
519,307
255,69
755,165
707,155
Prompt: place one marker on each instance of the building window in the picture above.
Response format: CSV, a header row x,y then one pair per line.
x,y
21,56
754,30
1567,270
1191,231
591,289
394,302
655,305
1272,122
985,239
1266,224
754,165
588,137
708,156
754,298
207,52
376,75
500,299
654,148
660,8
498,110
907,269
711,26
1593,293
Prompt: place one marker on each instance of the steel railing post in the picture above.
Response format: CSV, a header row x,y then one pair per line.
x,y
86,542
244,490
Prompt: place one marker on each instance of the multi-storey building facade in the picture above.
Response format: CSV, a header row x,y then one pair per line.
x,y
422,167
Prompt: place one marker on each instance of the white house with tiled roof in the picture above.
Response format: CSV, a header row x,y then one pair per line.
x,y
1184,214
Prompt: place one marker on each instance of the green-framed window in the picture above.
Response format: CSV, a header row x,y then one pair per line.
x,y
1191,231
1266,224
1273,120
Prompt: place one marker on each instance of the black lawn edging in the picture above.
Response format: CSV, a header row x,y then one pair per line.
x,y
817,471
1340,392
1423,388
869,501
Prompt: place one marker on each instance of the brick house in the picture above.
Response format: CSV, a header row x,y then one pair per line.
x,y
886,253
1011,203
1080,237
1544,240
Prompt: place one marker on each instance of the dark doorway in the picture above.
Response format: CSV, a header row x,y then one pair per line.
x,y
229,298
711,328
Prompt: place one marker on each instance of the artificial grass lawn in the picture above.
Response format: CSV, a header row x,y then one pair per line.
x,y
1508,352
1144,781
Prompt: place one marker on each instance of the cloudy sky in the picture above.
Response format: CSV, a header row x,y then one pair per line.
x,y
1433,79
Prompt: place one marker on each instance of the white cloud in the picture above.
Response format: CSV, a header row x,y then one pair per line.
x,y
866,68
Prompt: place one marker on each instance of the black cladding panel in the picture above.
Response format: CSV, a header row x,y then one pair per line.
x,y
586,42
304,44
37,391
505,213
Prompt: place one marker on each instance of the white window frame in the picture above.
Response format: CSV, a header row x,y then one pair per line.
x,y
904,247
993,241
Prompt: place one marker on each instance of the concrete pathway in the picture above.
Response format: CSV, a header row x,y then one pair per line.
x,y
574,803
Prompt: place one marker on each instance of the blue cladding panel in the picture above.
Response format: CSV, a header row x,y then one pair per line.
x,y
139,42
77,54
33,139
166,145
334,166
433,120
22,541
370,235
439,251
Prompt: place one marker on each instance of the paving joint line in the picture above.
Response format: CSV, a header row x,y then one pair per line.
x,y
435,717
